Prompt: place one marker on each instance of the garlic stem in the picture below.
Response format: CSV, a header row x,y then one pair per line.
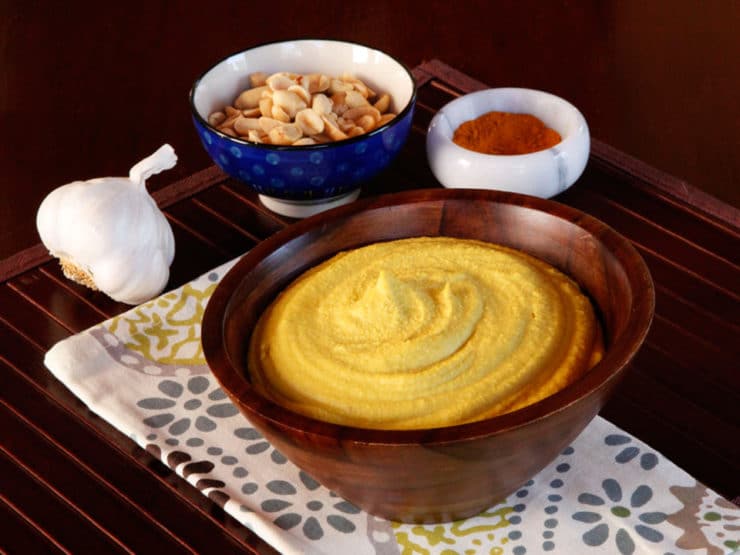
x,y
163,159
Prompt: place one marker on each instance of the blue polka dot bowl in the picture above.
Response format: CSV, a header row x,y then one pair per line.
x,y
299,181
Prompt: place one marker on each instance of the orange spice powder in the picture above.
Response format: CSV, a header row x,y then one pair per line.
x,y
505,133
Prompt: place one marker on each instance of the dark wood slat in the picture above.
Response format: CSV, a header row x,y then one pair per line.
x,y
447,76
19,352
708,430
705,387
422,118
391,180
77,484
713,330
421,77
195,232
188,186
60,303
192,258
51,513
687,282
662,185
686,357
99,301
29,320
686,348
432,98
692,288
229,239
695,226
404,173
148,502
22,261
25,537
238,205
652,236
690,334
146,480
411,173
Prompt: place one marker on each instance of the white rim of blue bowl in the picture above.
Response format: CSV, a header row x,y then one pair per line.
x,y
401,114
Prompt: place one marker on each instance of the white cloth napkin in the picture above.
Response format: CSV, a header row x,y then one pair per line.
x,y
144,372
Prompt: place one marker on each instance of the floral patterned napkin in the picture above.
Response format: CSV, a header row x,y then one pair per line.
x,y
144,372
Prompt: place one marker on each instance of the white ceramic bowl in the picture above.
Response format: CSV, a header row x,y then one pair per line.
x,y
544,173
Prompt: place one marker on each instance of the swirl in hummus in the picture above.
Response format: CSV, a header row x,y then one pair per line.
x,y
423,332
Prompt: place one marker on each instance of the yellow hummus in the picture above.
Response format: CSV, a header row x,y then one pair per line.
x,y
423,332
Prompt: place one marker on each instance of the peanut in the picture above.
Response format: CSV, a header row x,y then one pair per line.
x,y
331,129
285,134
251,113
244,125
355,131
316,82
309,121
288,101
267,123
280,114
301,92
321,104
249,98
383,103
366,122
355,113
279,81
354,99
385,118
255,136
292,109
266,106
216,118
257,79
303,141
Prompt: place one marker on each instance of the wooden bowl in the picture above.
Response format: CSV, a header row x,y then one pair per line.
x,y
447,473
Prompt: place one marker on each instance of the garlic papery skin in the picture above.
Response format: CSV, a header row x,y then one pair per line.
x,y
109,232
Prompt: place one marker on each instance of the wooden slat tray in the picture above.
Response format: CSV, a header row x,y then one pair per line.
x,y
74,483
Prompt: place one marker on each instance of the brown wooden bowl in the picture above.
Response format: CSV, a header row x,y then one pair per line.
x,y
447,473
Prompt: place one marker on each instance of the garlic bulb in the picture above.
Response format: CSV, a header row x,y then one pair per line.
x,y
109,234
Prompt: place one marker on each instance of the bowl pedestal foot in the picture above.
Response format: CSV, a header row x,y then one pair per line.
x,y
306,208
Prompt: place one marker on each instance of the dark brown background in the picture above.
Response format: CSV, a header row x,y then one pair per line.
x,y
87,89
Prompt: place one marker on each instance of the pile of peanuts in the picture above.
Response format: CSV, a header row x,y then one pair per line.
x,y
292,109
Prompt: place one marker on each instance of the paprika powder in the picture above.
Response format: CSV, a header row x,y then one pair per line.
x,y
505,133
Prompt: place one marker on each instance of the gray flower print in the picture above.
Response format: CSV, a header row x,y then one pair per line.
x,y
630,517
648,461
181,407
318,511
258,444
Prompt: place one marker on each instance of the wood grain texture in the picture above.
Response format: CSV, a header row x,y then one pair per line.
x,y
52,512
27,536
679,397
447,473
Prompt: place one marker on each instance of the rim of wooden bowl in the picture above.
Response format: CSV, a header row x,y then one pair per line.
x,y
603,375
